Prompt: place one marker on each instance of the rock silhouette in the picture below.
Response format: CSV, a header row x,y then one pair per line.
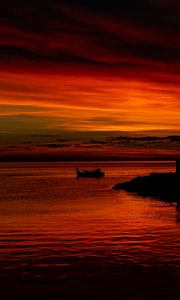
x,y
165,186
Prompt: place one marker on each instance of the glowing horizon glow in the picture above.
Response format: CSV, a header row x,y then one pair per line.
x,y
90,67
91,103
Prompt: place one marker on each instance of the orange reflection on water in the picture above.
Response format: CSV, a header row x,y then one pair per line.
x,y
55,227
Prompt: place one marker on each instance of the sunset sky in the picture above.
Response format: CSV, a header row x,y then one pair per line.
x,y
69,67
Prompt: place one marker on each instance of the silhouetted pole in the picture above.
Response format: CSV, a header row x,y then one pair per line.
x,y
178,179
178,168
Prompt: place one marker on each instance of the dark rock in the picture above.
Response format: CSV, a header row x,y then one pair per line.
x,y
164,186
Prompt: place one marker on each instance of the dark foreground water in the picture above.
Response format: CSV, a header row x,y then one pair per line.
x,y
67,238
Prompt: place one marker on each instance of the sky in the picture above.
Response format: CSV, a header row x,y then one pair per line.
x,y
90,67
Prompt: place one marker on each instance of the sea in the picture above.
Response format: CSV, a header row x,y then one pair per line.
x,y
68,238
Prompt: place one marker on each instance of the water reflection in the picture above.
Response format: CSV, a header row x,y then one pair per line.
x,y
62,238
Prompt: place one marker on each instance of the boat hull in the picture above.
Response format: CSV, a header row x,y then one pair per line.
x,y
90,174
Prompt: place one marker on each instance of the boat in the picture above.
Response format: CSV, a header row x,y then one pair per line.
x,y
95,173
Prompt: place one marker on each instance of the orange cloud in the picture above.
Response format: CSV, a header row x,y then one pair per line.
x,y
90,103
89,67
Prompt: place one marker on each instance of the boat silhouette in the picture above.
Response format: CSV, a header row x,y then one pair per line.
x,y
95,173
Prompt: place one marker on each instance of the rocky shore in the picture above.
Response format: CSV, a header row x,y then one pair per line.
x,y
164,186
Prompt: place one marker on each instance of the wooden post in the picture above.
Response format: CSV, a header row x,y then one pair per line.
x,y
178,168
177,190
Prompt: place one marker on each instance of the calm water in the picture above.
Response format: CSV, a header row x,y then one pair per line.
x,y
68,238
